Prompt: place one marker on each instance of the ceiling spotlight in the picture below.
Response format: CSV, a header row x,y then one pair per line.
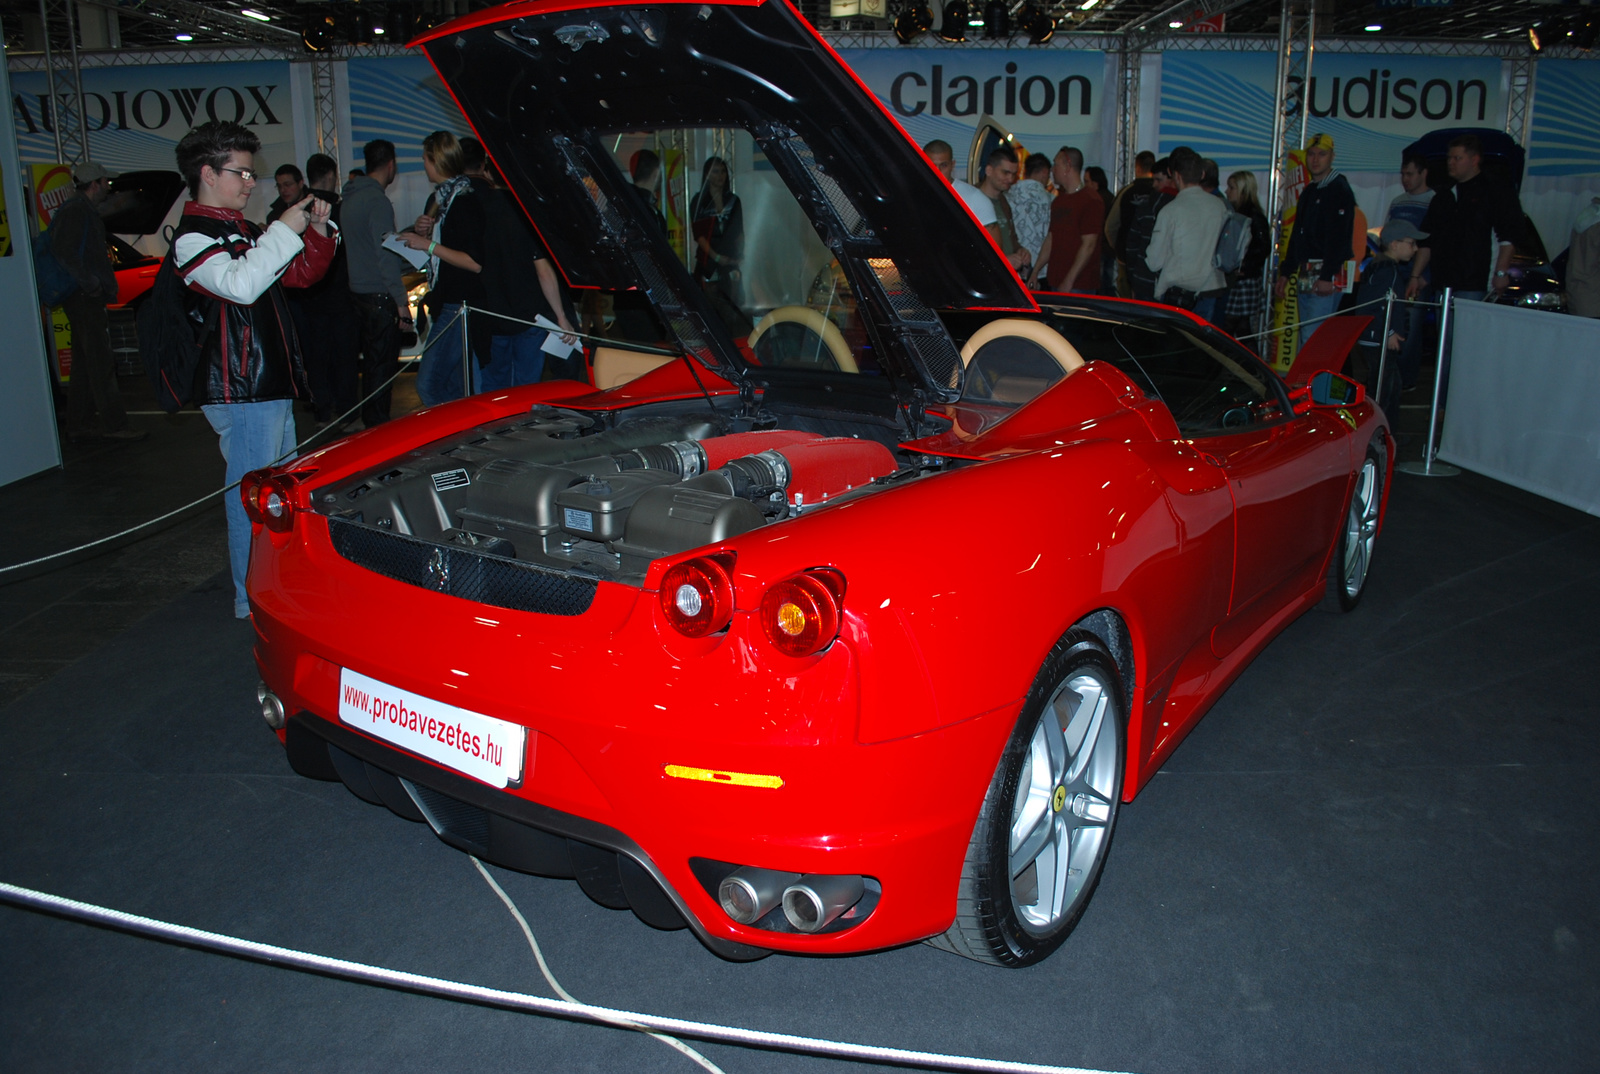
x,y
1533,39
318,32
183,37
913,21
954,26
1373,28
251,13
996,19
1087,4
1175,24
1039,26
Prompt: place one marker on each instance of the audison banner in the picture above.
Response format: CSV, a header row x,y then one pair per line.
x,y
1047,98
401,99
136,115
1220,103
1565,140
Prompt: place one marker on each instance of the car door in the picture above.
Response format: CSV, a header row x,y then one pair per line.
x,y
1285,472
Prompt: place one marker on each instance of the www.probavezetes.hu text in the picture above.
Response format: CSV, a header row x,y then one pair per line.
x,y
452,735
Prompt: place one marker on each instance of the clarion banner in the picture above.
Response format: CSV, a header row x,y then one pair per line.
x,y
1047,98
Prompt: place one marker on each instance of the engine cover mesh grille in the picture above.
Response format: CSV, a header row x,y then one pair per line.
x,y
461,572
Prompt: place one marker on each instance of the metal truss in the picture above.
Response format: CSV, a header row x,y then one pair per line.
x,y
1297,45
1129,61
64,79
326,106
885,39
1519,98
152,57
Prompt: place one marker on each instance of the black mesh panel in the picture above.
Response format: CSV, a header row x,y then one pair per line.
x,y
461,572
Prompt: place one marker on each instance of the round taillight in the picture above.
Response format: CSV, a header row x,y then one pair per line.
x,y
250,493
800,615
269,500
697,595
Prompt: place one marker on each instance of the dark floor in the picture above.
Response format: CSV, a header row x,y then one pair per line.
x,y
1378,852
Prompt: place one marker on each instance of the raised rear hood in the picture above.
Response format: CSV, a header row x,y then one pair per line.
x,y
543,82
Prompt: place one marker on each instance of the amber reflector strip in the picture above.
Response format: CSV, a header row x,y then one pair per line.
x,y
737,779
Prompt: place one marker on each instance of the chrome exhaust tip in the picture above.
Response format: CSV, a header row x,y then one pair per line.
x,y
747,894
814,902
271,707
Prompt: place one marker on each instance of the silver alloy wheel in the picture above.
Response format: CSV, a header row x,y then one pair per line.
x,y
1361,529
1064,802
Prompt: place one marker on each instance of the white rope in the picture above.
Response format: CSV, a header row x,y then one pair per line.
x,y
224,490
555,985
494,997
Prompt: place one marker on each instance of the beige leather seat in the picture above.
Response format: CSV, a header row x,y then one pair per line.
x,y
613,365
1014,388
815,323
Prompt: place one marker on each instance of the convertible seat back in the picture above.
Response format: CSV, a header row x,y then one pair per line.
x,y
1328,347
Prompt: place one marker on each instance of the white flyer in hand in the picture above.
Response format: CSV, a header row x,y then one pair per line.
x,y
417,258
553,343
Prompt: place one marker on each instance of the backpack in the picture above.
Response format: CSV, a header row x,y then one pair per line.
x,y
172,338
1233,243
56,284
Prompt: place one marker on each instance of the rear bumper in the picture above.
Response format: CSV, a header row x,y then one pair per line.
x,y
610,701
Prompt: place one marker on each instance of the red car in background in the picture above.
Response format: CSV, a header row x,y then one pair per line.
x,y
138,205
856,620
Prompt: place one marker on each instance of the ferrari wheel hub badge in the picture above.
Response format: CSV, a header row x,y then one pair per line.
x,y
1059,799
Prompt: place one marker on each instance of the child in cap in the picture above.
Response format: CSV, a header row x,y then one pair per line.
x,y
1387,272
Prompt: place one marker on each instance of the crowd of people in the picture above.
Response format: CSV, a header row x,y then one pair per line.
x,y
1160,239
1061,226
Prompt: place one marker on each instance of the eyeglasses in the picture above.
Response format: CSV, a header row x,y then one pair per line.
x,y
243,173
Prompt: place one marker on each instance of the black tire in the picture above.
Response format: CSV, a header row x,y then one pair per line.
x,y
1351,564
995,923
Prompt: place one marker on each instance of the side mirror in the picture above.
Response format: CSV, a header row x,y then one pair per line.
x,y
1337,390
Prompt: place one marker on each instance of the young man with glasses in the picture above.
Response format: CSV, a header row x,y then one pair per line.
x,y
251,366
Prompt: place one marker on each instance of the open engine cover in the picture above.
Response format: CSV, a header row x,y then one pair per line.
x,y
547,490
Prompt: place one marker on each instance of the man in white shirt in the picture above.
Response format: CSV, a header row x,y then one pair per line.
x,y
1030,205
1184,243
941,156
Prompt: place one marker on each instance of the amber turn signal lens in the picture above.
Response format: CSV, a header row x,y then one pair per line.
x,y
801,615
697,595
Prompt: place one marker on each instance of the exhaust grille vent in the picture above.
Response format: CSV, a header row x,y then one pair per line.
x,y
461,572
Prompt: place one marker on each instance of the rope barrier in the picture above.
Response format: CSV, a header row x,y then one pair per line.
x,y
344,969
117,540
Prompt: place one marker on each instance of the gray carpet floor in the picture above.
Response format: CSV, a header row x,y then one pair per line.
x,y
1378,852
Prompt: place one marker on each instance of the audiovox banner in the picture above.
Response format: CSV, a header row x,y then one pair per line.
x,y
1046,97
136,115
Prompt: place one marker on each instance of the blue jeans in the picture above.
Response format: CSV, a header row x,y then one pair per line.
x,y
515,360
439,374
252,435
1313,306
1208,309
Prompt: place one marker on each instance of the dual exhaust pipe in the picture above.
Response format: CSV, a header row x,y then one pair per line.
x,y
810,903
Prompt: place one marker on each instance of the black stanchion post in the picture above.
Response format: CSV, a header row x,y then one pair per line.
x,y
1383,347
1427,467
466,353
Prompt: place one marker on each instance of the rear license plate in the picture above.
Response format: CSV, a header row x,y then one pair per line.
x,y
473,744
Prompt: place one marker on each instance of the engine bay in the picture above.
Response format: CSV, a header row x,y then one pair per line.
x,y
563,489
